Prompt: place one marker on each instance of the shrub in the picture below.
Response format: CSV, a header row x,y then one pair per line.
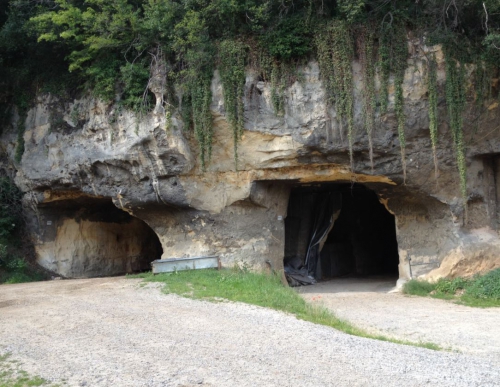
x,y
289,39
451,286
10,206
21,277
418,288
481,291
15,264
15,269
486,286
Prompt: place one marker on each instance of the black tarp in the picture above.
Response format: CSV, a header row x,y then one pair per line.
x,y
296,273
326,210
337,230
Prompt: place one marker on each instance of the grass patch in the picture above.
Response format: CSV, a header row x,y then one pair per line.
x,y
8,277
12,376
14,268
486,287
478,302
481,291
258,289
419,288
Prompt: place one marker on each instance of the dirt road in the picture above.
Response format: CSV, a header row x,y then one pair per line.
x,y
111,332
369,303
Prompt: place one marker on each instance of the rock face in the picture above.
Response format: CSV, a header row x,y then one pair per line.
x,y
84,151
87,236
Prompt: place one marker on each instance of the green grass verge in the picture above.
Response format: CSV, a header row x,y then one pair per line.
x,y
14,268
418,288
12,376
480,291
258,289
16,277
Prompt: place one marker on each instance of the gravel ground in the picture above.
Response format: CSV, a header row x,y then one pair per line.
x,y
111,332
367,303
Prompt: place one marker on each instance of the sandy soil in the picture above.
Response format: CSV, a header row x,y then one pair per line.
x,y
369,303
112,332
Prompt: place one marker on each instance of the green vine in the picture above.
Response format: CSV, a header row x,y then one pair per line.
x,y
482,83
433,110
366,55
194,82
202,118
20,138
168,118
278,86
393,54
384,65
200,99
455,100
186,110
23,106
335,54
276,73
232,55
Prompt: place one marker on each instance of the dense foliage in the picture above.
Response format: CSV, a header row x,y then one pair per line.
x,y
111,46
486,287
335,54
14,267
480,290
10,205
433,111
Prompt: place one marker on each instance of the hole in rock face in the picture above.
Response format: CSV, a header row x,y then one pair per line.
x,y
339,230
89,237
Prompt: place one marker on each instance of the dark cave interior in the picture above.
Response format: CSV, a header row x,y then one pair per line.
x,y
362,241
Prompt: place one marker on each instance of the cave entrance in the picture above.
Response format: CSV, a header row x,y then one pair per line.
x,y
338,230
91,237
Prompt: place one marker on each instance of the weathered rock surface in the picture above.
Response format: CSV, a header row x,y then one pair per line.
x,y
91,237
148,166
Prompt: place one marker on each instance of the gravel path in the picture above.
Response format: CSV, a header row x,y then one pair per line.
x,y
111,332
367,303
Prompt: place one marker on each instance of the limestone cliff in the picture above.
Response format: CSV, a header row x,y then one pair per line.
x,y
80,153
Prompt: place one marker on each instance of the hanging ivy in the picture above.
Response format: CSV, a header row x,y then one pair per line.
x,y
194,80
20,137
455,100
366,55
278,74
232,56
22,103
335,50
200,98
384,67
482,83
393,55
433,110
278,86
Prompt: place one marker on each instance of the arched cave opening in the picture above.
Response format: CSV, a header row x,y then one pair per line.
x,y
91,237
338,230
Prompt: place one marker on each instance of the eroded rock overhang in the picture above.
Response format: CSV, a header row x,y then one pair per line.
x,y
149,169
